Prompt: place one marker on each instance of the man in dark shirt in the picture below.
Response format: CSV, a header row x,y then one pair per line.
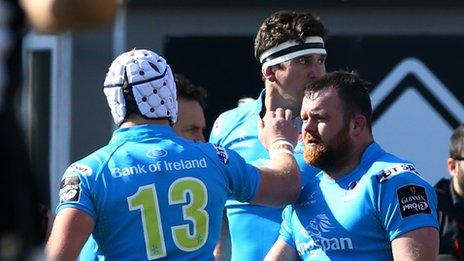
x,y
451,201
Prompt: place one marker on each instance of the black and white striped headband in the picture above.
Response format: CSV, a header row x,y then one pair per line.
x,y
291,49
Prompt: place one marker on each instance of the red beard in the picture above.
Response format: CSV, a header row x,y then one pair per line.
x,y
326,155
312,155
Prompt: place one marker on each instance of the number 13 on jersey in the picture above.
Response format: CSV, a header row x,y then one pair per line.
x,y
146,200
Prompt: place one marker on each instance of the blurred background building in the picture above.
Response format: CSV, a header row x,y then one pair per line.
x,y
411,51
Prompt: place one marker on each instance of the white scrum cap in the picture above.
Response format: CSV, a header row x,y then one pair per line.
x,y
143,78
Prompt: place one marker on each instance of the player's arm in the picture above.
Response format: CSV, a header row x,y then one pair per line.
x,y
70,231
419,244
223,247
281,251
53,16
280,182
46,221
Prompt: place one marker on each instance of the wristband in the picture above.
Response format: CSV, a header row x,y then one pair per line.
x,y
277,144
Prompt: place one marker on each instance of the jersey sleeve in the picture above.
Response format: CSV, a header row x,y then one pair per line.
x,y
406,202
243,179
75,189
286,232
217,131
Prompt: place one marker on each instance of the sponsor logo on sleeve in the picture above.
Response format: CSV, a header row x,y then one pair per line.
x,y
80,169
70,189
392,171
222,154
412,200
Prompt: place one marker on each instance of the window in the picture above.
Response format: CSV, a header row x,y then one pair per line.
x,y
46,107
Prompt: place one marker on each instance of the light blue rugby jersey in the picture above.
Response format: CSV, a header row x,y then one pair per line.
x,y
153,194
356,217
253,228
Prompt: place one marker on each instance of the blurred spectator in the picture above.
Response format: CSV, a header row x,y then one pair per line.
x,y
450,194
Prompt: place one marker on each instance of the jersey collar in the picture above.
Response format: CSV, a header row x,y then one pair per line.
x,y
141,132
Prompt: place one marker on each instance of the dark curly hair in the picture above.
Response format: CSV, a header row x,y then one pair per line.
x,y
187,90
456,149
283,26
352,90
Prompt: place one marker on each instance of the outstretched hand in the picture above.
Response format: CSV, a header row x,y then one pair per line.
x,y
277,125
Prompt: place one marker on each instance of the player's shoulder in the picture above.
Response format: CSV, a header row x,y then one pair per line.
x,y
91,164
389,167
215,152
81,171
229,120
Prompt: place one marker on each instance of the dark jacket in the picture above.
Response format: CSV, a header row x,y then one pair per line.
x,y
451,219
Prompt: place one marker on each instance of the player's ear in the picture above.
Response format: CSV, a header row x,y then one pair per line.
x,y
357,124
268,73
452,167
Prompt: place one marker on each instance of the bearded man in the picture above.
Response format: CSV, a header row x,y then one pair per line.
x,y
365,204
